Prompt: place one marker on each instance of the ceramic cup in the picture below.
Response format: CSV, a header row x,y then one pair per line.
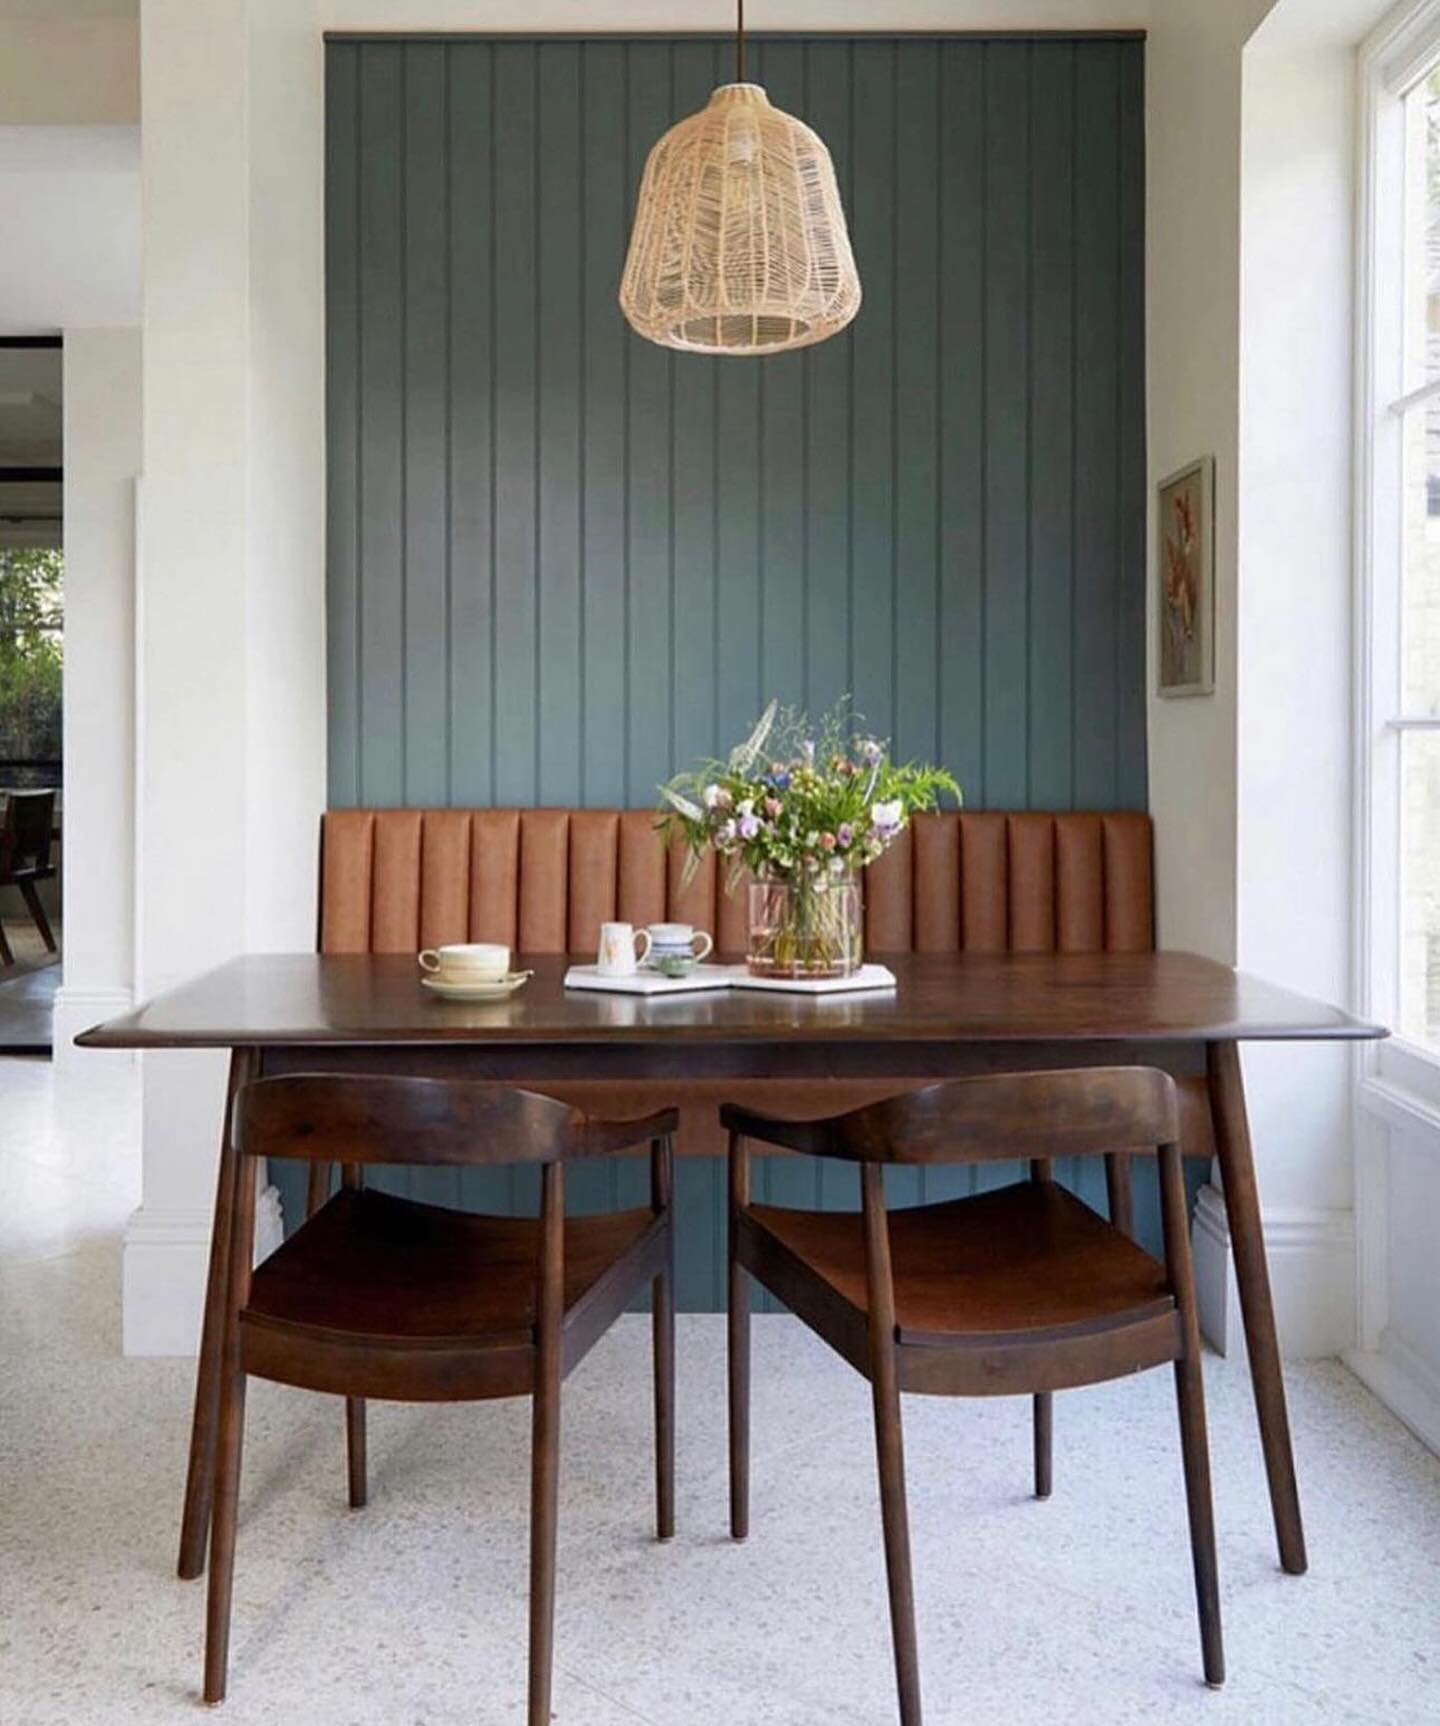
x,y
617,956
467,962
676,947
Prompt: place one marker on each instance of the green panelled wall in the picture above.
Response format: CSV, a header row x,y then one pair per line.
x,y
563,562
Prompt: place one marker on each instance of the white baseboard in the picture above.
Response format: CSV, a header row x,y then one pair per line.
x,y
76,1010
1311,1253
1406,1383
166,1263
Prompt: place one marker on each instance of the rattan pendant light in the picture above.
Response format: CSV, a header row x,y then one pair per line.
x,y
739,244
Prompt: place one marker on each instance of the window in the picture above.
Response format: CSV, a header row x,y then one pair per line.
x,y
1398,541
31,625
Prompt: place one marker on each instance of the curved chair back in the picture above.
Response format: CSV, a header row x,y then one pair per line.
x,y
386,1119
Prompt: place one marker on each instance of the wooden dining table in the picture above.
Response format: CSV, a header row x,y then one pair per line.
x,y
948,1015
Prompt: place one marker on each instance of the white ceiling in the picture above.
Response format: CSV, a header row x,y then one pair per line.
x,y
71,252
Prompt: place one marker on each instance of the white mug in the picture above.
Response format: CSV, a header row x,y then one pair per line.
x,y
617,956
467,962
678,941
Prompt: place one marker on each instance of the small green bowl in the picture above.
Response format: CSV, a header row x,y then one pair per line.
x,y
674,964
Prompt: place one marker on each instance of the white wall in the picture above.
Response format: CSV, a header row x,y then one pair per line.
x,y
1251,186
231,695
70,197
102,459
1295,792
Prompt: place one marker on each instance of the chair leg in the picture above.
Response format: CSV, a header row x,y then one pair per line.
x,y
1190,1394
545,1444
37,912
222,1534
739,1337
1044,1441
890,1452
544,1499
663,1300
355,1450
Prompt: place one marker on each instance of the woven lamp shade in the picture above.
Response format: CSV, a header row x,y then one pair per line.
x,y
739,244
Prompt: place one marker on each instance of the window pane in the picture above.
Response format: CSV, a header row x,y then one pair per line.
x,y
31,623
1420,578
1420,887
1422,233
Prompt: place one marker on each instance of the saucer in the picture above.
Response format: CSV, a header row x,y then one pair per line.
x,y
492,989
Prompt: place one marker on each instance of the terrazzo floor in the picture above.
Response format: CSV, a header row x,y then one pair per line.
x,y
411,1613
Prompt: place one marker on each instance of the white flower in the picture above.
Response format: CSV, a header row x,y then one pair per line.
x,y
746,806
712,796
887,816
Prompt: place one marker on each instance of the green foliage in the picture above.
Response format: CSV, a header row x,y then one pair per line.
x,y
797,801
31,657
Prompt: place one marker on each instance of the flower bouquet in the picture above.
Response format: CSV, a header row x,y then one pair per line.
x,y
804,809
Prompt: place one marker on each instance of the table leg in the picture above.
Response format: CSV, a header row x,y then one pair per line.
x,y
1242,1207
200,1476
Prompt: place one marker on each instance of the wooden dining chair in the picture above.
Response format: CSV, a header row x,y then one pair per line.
x,y
1023,1289
378,1296
26,838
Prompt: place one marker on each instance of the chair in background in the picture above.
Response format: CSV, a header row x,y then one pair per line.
x,y
25,842
1019,1290
378,1296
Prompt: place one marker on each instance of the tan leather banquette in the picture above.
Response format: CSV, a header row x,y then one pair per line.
x,y
543,880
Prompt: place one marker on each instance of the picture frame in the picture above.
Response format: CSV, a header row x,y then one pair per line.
x,y
1185,580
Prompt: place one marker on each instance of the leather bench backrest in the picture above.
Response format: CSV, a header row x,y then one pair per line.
x,y
543,881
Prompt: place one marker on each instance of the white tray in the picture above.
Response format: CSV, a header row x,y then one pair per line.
x,y
649,982
868,977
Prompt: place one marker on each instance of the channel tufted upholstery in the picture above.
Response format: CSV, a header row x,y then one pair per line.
x,y
543,880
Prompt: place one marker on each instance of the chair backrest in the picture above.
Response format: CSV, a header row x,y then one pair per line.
x,y
29,822
543,881
384,1119
998,1118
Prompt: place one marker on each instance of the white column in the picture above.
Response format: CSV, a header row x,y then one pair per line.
x,y
102,459
231,679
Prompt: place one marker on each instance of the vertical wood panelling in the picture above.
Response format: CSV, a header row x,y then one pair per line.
x,y
563,562
342,373
1006,356
426,368
873,389
516,414
1052,427
559,291
471,418
959,631
380,602
1094,735
604,175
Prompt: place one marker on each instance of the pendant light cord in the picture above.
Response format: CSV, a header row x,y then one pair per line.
x,y
739,41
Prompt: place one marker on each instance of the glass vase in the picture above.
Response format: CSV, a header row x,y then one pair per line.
x,y
809,927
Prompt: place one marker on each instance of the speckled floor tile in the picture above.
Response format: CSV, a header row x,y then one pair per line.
x,y
412,1613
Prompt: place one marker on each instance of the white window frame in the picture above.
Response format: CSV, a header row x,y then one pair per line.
x,y
1404,48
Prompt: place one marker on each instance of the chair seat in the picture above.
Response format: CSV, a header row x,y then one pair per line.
x,y
372,1268
1022,1263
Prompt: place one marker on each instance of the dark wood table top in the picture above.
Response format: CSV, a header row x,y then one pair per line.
x,y
302,999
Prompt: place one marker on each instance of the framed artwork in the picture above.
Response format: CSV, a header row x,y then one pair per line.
x,y
1185,572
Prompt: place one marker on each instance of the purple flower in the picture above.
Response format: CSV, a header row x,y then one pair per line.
x,y
871,750
780,779
846,835
749,826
